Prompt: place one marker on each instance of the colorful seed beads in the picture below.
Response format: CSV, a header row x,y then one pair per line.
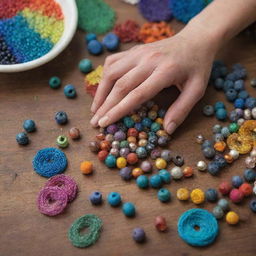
x,y
29,29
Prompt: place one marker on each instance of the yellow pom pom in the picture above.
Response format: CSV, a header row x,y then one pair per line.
x,y
86,167
160,163
183,194
197,196
121,162
232,218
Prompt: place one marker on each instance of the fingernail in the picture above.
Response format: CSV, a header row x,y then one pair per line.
x,y
94,120
171,127
103,122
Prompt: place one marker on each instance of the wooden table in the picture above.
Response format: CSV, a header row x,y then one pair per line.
x,y
24,231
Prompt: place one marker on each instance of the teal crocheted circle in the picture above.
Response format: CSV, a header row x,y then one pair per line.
x,y
90,221
198,227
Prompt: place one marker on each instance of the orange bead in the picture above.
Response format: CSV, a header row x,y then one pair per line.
x,y
143,135
132,139
161,133
105,145
136,172
188,171
132,158
86,167
100,136
102,155
228,158
246,189
220,146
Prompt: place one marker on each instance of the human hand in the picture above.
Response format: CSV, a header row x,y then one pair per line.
x,y
132,77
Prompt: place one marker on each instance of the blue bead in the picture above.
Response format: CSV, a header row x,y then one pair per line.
x,y
142,181
155,127
219,83
237,66
22,138
150,147
218,212
250,102
89,37
146,122
215,73
141,152
243,94
224,204
29,125
237,181
153,139
110,161
207,143
228,85
111,41
211,195
61,117
208,152
234,116
126,173
70,91
155,181
239,103
225,132
249,175
85,65
129,209
208,110
96,198
164,195
128,122
54,82
220,161
223,71
161,112
138,127
218,105
95,47
221,114
165,176
114,199
239,85
231,94
231,76
213,168
138,235
253,205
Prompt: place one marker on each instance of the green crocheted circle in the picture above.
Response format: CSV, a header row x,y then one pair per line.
x,y
95,16
90,221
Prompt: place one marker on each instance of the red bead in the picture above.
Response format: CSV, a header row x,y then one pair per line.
x,y
160,223
74,133
246,189
225,187
132,132
102,155
236,196
132,158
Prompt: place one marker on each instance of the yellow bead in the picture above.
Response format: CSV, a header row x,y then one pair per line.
x,y
197,196
121,162
132,139
160,163
159,120
183,194
136,172
136,118
232,218
161,133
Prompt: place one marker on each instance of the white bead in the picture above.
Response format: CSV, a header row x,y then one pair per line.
x,y
114,152
249,162
176,173
240,121
199,139
254,113
115,144
132,147
201,166
234,153
247,114
254,189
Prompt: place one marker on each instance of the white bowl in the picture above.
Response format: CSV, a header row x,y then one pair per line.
x,y
69,10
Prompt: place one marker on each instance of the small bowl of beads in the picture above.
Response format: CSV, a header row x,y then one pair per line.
x,y
34,32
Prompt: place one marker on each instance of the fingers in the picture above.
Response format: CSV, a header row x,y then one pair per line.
x,y
116,69
148,89
178,111
122,87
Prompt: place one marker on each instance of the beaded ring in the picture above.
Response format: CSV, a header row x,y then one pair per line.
x,y
49,162
64,182
90,221
52,201
198,227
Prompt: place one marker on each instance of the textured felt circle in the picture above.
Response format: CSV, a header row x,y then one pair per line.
x,y
184,10
155,10
198,227
64,182
49,162
52,201
90,221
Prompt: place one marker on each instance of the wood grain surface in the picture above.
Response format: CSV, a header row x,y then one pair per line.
x,y
26,232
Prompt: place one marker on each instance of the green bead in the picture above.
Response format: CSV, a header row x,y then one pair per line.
x,y
85,66
155,127
54,82
128,122
124,144
62,141
164,195
233,127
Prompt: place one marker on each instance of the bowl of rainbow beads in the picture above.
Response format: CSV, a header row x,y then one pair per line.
x,y
34,32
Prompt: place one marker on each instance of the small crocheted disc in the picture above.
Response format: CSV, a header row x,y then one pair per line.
x,y
52,201
198,227
184,10
90,221
155,10
64,182
49,162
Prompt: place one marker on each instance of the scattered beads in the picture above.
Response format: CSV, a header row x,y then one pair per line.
x,y
182,194
129,209
62,141
126,173
176,173
110,161
74,133
211,195
114,199
201,166
188,172
85,66
160,163
86,167
96,198
218,212
160,223
165,176
94,47
22,138
197,196
61,117
236,196
253,205
29,125
237,181
55,82
232,218
246,189
142,181
225,187
138,235
111,42
224,204
164,195
70,91
155,181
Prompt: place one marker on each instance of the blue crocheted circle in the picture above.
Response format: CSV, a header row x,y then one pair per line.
x,y
184,10
198,227
49,162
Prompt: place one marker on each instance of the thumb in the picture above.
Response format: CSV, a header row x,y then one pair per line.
x,y
193,91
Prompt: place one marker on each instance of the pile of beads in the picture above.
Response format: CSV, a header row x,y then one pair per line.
x,y
57,192
29,29
93,79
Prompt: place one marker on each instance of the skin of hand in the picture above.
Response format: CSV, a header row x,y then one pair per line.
x,y
132,77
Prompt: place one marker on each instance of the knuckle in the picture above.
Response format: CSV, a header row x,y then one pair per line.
x,y
138,95
121,87
108,60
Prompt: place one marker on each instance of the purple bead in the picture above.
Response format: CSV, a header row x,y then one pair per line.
x,y
240,112
155,153
233,116
124,152
146,166
119,136
138,235
126,173
112,129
